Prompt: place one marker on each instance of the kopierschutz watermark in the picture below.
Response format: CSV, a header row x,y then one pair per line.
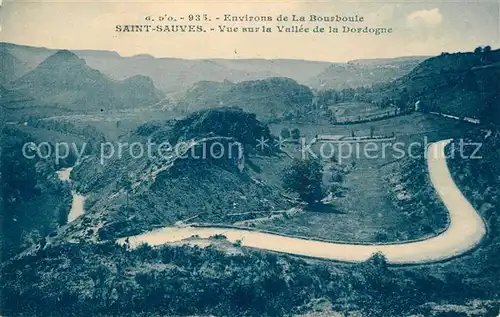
x,y
352,149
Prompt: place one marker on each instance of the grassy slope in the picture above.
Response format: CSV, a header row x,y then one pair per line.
x,y
366,213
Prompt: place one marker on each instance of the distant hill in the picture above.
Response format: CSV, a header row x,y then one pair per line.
x,y
64,80
177,75
364,72
461,84
268,98
12,67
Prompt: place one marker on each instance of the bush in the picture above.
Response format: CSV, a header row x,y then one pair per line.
x,y
305,178
285,133
295,133
218,237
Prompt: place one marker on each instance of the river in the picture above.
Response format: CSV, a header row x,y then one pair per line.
x,y
78,201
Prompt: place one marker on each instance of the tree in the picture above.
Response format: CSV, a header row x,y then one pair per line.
x,y
305,177
372,131
285,133
487,49
295,133
478,50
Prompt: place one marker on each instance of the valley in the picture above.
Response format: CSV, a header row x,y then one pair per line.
x,y
245,214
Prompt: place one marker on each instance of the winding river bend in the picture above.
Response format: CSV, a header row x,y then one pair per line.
x,y
465,231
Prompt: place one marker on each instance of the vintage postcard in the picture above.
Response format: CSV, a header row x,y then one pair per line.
x,y
250,158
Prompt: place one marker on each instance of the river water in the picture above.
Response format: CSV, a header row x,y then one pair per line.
x,y
78,202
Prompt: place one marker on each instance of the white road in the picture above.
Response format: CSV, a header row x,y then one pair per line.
x,y
465,230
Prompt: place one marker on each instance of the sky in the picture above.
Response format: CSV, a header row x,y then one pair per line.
x,y
420,28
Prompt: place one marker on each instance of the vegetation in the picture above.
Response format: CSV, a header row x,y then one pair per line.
x,y
106,279
478,173
304,177
414,197
33,202
295,133
285,133
460,84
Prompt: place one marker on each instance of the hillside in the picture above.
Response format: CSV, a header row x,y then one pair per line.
x,y
64,80
478,174
367,72
33,201
181,182
458,84
268,98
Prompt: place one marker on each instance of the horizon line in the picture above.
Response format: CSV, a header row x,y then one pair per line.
x,y
216,58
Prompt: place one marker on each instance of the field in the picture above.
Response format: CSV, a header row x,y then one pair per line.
x,y
358,111
118,123
366,213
